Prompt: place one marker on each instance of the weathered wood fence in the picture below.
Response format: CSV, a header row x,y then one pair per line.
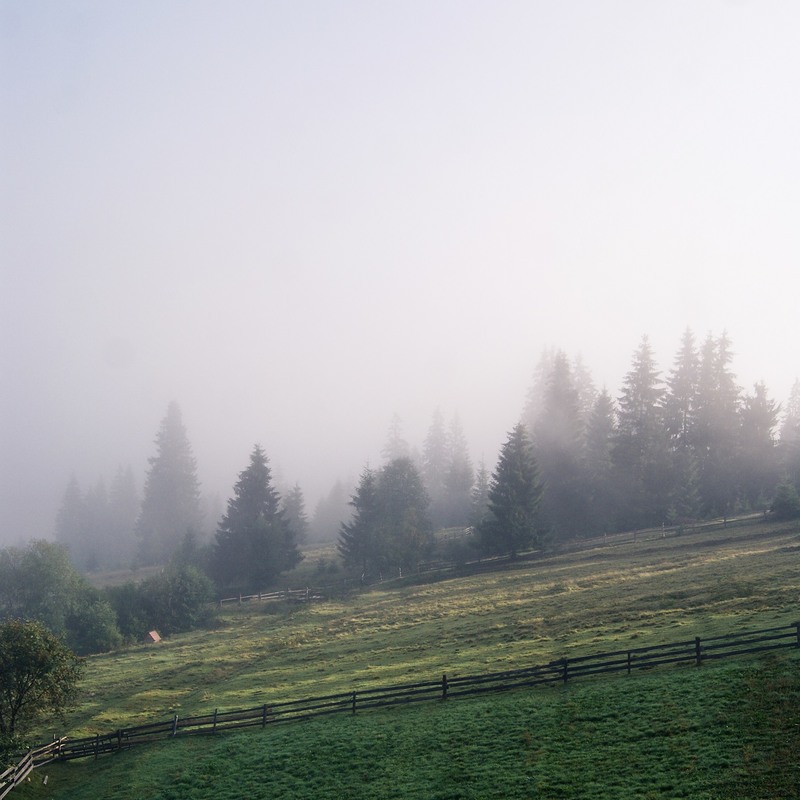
x,y
37,757
689,651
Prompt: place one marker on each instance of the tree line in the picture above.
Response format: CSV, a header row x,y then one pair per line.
x,y
684,446
671,448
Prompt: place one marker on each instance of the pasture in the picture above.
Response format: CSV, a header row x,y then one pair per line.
x,y
618,595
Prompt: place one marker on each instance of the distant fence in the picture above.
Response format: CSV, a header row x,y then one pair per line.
x,y
298,595
689,651
443,568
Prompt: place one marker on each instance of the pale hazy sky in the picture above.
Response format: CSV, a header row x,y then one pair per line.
x,y
298,218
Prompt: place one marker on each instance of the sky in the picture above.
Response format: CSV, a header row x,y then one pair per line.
x,y
297,219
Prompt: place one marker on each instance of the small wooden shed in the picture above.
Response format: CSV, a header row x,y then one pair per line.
x,y
151,637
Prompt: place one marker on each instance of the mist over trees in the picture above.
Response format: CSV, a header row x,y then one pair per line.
x,y
667,448
293,505
97,526
171,501
447,472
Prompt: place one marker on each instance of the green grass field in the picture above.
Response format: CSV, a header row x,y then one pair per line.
x,y
719,731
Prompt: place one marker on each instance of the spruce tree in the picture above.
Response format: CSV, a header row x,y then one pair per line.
x,y
558,438
458,478
479,496
640,446
124,503
680,416
405,529
294,508
329,513
716,431
71,521
789,443
758,458
358,543
434,467
680,402
396,446
515,493
254,542
171,501
601,491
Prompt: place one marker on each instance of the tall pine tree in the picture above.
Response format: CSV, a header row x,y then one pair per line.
x,y
680,419
358,543
640,448
759,467
294,509
458,478
254,542
789,444
558,438
515,493
716,431
171,501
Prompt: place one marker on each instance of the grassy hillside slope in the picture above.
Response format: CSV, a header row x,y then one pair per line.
x,y
670,727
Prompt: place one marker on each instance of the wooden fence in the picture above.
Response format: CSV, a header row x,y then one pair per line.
x,y
298,595
37,757
689,651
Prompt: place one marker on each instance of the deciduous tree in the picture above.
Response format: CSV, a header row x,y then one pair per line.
x,y
39,582
38,675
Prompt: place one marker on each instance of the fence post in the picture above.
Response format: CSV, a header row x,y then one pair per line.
x,y
175,725
354,702
797,628
264,716
697,655
444,687
629,662
214,728
565,674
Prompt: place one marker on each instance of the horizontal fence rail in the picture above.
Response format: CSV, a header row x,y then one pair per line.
x,y
689,651
298,595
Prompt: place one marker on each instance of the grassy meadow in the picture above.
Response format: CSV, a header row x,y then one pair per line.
x,y
685,732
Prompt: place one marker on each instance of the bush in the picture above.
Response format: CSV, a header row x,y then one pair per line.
x,y
178,599
92,624
786,503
